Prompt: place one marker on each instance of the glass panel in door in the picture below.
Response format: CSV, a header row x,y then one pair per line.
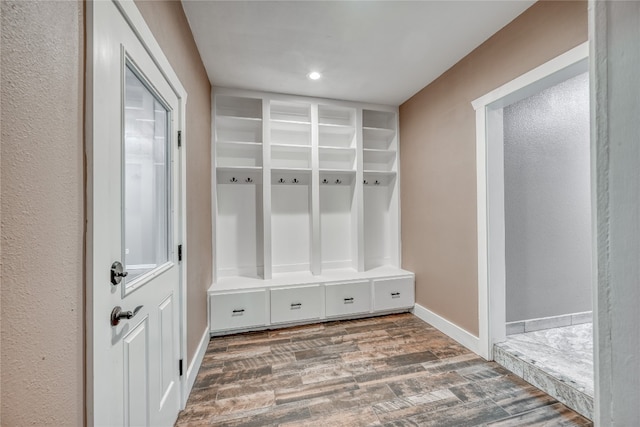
x,y
147,193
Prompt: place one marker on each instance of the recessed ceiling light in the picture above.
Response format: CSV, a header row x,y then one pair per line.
x,y
314,75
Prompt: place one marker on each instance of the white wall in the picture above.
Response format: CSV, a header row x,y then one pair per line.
x,y
548,202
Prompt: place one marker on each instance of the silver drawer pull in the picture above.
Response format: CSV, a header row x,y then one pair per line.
x,y
348,300
296,305
238,312
395,294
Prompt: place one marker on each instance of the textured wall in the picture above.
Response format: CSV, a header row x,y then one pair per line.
x,y
171,29
547,195
437,128
42,213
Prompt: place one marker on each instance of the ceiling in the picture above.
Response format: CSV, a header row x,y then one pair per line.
x,y
369,51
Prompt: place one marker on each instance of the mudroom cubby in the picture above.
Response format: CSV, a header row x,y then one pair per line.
x,y
306,211
290,221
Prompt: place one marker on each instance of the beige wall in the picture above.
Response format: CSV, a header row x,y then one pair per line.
x,y
437,131
171,29
42,213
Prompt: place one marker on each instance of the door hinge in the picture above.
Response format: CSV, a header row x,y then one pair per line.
x,y
179,252
179,138
180,367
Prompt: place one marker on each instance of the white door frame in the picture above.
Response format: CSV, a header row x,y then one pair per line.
x,y
95,273
490,186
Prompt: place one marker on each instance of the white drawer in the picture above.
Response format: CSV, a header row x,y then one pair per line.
x,y
238,310
390,294
295,303
348,298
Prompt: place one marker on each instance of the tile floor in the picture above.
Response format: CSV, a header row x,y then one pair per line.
x,y
558,360
392,371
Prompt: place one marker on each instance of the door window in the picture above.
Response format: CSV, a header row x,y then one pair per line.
x,y
146,183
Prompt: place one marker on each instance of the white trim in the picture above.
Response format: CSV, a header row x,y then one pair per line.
x,y
136,21
505,92
194,366
603,374
490,205
448,328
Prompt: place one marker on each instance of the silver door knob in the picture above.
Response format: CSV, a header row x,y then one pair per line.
x,y
117,314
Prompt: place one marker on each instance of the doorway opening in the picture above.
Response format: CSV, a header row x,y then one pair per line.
x,y
534,228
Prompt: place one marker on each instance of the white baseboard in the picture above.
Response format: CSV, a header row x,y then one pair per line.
x,y
194,367
450,329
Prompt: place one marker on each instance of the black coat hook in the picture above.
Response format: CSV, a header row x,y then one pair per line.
x,y
366,182
281,180
233,179
295,180
324,181
249,179
377,182
338,181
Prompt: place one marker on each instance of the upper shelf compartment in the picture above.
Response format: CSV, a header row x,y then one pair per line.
x,y
234,106
379,119
290,123
379,129
238,129
238,119
336,126
290,112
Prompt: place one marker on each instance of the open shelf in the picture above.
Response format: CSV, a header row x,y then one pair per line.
x,y
238,154
336,115
336,135
378,138
238,129
290,133
290,156
290,112
379,160
238,119
290,123
337,158
235,106
336,126
378,119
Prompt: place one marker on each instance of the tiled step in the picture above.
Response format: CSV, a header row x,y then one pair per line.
x,y
548,376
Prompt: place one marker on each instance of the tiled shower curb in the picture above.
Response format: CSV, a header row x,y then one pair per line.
x,y
560,389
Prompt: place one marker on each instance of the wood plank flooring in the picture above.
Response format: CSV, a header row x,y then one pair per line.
x,y
394,370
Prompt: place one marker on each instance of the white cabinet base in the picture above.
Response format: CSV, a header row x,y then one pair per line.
x,y
344,299
281,303
295,304
391,294
238,310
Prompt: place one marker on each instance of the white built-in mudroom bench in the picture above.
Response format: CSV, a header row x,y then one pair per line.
x,y
306,212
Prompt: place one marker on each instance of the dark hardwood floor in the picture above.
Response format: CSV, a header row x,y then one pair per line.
x,y
392,371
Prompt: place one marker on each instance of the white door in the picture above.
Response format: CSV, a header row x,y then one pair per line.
x,y
135,200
